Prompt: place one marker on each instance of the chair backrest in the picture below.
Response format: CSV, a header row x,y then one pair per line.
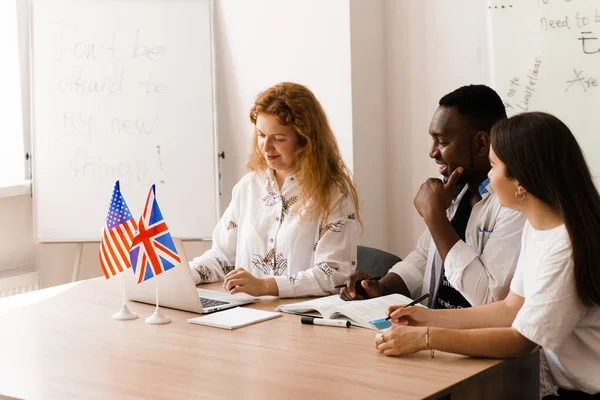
x,y
374,261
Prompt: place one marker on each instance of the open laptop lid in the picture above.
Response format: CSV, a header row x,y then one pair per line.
x,y
176,289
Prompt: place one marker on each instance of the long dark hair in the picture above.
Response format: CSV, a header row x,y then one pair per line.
x,y
540,151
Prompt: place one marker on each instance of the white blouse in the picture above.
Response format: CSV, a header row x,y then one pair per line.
x,y
262,232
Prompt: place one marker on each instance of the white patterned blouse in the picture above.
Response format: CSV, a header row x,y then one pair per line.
x,y
262,232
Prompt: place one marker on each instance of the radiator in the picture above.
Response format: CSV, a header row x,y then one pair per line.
x,y
17,281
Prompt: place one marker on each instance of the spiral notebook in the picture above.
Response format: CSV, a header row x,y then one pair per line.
x,y
234,318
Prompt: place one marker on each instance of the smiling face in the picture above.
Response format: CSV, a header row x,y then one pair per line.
x,y
454,143
278,144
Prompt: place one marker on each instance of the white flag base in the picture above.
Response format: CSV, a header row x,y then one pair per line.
x,y
157,318
124,314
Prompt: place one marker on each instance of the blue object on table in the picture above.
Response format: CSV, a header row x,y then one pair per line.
x,y
381,323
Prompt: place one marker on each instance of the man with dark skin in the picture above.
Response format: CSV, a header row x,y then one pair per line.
x,y
469,252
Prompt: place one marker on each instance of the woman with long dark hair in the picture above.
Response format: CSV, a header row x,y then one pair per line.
x,y
554,302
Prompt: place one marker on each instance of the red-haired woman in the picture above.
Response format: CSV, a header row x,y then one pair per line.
x,y
290,229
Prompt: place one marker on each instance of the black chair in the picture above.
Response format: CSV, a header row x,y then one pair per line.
x,y
374,261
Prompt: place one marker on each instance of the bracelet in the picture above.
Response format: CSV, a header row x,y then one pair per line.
x,y
427,343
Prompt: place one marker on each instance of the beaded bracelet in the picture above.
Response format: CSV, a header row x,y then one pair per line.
x,y
427,343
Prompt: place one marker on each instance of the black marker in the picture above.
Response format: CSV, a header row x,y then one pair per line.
x,y
339,323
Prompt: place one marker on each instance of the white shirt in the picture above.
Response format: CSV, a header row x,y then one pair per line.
x,y
482,266
261,232
552,315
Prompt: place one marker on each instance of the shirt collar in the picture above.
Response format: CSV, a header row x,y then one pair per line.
x,y
485,189
271,175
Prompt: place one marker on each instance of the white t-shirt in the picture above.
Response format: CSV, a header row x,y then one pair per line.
x,y
552,315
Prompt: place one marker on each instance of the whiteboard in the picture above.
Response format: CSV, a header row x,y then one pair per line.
x,y
545,56
122,90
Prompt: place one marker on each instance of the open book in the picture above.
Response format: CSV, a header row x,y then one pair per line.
x,y
359,312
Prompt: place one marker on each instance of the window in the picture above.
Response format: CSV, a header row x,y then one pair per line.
x,y
12,156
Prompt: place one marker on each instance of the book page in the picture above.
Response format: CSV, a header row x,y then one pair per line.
x,y
363,311
322,305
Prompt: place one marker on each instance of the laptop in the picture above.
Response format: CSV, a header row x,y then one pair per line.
x,y
176,289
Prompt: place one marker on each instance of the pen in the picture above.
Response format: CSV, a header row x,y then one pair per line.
x,y
412,303
373,278
340,323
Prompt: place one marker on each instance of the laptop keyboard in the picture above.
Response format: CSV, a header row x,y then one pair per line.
x,y
206,303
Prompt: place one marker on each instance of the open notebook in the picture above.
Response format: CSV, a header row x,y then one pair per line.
x,y
361,312
234,318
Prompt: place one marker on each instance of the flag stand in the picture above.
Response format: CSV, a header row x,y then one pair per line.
x,y
157,318
124,314
77,263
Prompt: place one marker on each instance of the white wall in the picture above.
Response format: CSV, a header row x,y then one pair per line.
x,y
379,68
370,135
16,233
259,43
433,47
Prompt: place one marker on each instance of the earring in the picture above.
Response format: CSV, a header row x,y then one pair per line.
x,y
521,197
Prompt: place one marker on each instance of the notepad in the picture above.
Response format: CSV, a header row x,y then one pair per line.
x,y
234,318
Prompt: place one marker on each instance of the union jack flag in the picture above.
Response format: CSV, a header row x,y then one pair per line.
x,y
152,251
117,236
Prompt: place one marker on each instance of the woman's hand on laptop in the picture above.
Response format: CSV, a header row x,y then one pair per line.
x,y
241,281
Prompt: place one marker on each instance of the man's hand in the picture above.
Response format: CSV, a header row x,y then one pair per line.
x,y
359,288
434,197
241,281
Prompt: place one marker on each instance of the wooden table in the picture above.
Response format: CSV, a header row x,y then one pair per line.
x,y
68,346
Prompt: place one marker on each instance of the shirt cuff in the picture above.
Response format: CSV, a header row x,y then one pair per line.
x,y
458,258
411,276
195,273
285,286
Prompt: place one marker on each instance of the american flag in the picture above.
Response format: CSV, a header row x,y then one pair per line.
x,y
117,236
152,251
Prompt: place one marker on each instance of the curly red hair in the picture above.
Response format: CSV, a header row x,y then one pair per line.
x,y
319,164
